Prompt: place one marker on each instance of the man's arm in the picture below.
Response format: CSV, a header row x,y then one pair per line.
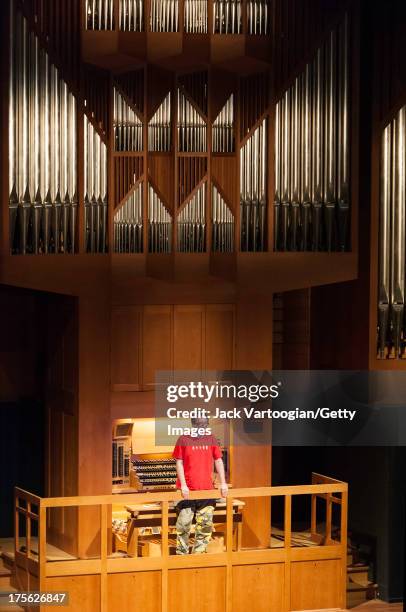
x,y
181,475
222,477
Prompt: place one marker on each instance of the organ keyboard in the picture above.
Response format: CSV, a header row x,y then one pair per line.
x,y
153,474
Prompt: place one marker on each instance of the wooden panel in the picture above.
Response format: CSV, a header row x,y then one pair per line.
x,y
135,591
94,428
219,338
261,585
188,337
197,589
254,335
70,462
224,171
160,169
326,574
157,342
84,591
126,348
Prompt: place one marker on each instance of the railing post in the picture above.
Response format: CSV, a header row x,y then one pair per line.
x,y
229,551
16,525
103,558
313,523
42,544
165,555
343,542
329,505
287,543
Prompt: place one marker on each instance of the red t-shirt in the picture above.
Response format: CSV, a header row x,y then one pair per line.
x,y
197,455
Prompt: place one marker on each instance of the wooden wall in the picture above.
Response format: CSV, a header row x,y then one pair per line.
x,y
165,337
61,393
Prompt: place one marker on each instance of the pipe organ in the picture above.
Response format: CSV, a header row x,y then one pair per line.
x,y
312,155
258,17
195,16
253,198
131,14
159,224
202,165
192,130
128,223
192,223
227,17
159,127
127,125
392,255
164,16
223,128
43,192
95,190
100,14
222,224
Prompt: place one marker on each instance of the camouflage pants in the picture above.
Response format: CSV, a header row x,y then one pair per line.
x,y
203,513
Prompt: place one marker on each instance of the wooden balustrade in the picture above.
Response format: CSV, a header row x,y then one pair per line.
x,y
51,575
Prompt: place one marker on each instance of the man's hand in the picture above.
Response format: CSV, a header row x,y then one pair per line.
x,y
224,490
185,492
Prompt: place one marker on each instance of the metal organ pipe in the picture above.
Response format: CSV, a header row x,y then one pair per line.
x,y
192,131
164,16
192,223
227,17
391,333
223,128
159,224
195,16
253,197
100,14
128,224
312,153
42,149
128,129
95,197
258,17
159,127
222,224
131,15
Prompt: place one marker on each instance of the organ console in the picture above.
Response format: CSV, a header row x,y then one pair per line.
x,y
153,474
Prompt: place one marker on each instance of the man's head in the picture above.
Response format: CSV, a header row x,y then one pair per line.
x,y
200,423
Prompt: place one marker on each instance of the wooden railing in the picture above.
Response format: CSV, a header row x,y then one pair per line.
x,y
324,548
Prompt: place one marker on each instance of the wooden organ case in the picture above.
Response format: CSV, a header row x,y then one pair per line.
x,y
121,455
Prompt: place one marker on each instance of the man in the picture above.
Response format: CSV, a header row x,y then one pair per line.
x,y
194,466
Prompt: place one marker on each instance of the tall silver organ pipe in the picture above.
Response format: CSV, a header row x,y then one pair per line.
x,y
195,16
95,187
312,153
100,14
131,15
42,149
222,224
159,127
227,17
192,129
258,17
343,182
223,128
392,242
330,141
127,126
159,224
253,196
164,16
128,224
191,223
